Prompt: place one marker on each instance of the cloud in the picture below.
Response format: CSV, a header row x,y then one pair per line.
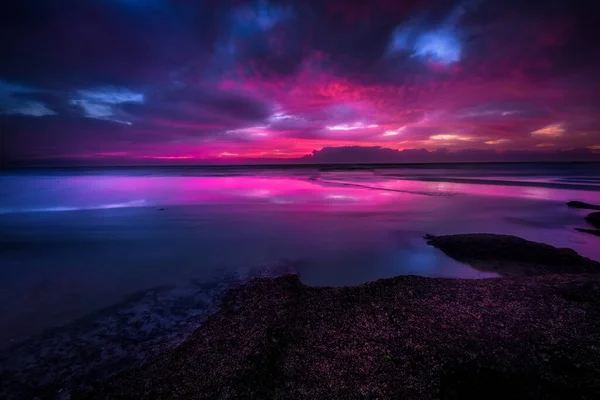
x,y
450,137
273,77
19,99
498,141
198,111
438,45
377,155
351,126
100,102
552,130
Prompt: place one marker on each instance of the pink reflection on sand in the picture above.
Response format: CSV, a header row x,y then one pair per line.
x,y
96,192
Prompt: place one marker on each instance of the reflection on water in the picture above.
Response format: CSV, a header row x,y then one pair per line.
x,y
97,192
71,244
50,193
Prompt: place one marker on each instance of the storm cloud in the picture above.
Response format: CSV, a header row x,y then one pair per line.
x,y
230,80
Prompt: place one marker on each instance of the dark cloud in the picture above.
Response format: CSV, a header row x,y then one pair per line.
x,y
502,110
127,73
73,42
183,112
113,41
197,111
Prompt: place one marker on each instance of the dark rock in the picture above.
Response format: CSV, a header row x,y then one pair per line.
x,y
594,219
407,337
161,209
590,231
511,255
581,204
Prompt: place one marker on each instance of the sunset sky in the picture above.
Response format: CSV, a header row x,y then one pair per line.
x,y
117,81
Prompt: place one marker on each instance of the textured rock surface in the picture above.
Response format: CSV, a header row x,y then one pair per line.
x,y
581,204
511,255
521,337
110,340
406,337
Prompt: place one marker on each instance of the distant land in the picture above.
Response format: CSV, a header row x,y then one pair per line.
x,y
345,155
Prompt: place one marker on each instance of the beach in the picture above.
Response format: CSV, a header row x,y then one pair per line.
x,y
104,270
407,337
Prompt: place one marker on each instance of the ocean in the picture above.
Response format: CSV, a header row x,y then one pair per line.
x,y
79,243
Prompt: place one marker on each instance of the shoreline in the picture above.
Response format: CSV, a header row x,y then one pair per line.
x,y
407,336
112,339
498,182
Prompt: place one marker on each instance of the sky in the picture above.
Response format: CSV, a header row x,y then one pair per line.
x,y
176,81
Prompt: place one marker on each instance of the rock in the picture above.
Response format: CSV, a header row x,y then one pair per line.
x,y
161,209
407,337
581,204
590,231
511,255
594,219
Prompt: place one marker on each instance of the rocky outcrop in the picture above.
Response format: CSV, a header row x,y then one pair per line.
x,y
406,337
511,255
581,204
594,219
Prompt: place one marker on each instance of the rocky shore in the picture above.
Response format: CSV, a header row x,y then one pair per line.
x,y
533,334
583,205
511,255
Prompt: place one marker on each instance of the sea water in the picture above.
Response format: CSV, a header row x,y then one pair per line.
x,y
74,241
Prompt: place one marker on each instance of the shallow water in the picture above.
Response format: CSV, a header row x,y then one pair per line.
x,y
74,241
